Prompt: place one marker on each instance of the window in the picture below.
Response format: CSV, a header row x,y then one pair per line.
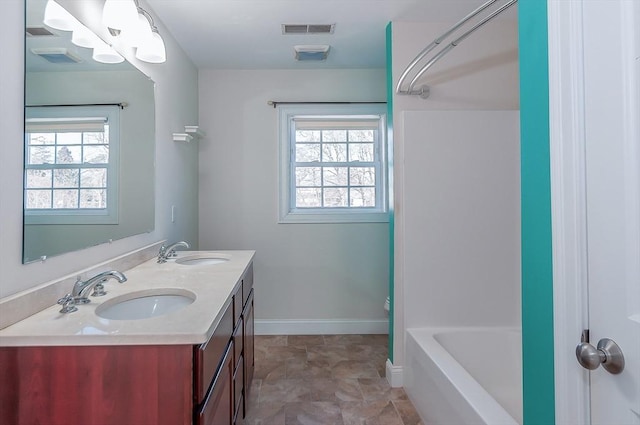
x,y
71,165
332,163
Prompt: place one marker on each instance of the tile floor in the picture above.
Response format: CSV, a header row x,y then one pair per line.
x,y
325,380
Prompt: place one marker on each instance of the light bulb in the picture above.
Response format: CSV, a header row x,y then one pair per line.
x,y
152,50
136,35
120,14
84,37
57,17
104,53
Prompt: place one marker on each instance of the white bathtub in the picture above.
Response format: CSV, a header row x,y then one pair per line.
x,y
457,376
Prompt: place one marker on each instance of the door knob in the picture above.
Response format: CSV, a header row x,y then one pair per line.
x,y
608,354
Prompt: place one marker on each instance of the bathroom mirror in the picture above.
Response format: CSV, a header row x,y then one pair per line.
x,y
89,145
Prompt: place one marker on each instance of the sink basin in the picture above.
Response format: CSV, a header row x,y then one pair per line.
x,y
145,304
202,259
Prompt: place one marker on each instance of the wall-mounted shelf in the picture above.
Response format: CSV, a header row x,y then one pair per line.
x,y
191,132
194,131
182,137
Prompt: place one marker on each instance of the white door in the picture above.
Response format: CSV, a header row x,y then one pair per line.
x,y
612,152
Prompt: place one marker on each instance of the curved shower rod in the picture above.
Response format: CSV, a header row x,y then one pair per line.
x,y
423,91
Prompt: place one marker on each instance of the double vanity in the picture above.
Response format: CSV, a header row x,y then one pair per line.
x,y
173,344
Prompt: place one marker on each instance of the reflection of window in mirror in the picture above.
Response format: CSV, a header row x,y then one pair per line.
x,y
71,165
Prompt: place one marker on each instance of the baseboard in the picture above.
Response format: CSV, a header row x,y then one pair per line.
x,y
394,375
320,327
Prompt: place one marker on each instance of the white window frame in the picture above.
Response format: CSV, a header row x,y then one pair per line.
x,y
109,215
288,213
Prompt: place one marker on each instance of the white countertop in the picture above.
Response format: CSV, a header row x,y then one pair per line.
x,y
213,286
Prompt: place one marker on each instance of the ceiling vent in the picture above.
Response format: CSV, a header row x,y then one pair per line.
x,y
56,55
311,53
39,32
288,29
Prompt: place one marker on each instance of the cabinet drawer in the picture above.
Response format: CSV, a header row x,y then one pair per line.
x,y
237,305
247,284
238,385
238,342
238,418
248,349
218,407
208,356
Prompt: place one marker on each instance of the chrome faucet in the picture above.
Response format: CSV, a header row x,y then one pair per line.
x,y
81,288
167,252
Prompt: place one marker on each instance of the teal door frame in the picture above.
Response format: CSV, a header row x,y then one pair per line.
x,y
537,267
390,93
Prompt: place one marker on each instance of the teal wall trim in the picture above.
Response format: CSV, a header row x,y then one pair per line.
x,y
537,270
390,183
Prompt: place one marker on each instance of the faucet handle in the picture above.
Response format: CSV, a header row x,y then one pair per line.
x,y
68,304
162,254
98,290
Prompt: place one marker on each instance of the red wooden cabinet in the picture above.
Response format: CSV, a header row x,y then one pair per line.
x,y
207,357
217,408
205,384
249,353
98,385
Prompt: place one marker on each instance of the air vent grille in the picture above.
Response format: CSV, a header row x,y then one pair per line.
x,y
320,29
56,55
311,53
308,28
39,32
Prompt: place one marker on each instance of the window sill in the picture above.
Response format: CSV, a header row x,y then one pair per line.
x,y
333,217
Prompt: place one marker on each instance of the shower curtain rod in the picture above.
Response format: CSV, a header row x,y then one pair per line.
x,y
275,103
424,90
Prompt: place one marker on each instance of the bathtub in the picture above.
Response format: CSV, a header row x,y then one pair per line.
x,y
458,376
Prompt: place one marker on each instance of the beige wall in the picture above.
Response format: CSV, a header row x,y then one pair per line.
x,y
334,275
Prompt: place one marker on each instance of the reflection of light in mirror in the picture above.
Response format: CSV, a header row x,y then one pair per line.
x,y
152,50
104,53
55,16
136,35
120,14
83,37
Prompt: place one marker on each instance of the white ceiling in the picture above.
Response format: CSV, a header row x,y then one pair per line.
x,y
247,34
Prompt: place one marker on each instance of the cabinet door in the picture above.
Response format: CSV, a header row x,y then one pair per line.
x,y
238,385
248,348
107,385
218,406
238,342
208,355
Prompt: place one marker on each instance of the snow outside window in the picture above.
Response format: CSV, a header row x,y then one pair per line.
x,y
332,163
71,163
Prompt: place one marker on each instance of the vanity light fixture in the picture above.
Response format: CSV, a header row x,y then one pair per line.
x,y
84,37
135,28
152,49
135,35
106,54
125,19
57,17
119,15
